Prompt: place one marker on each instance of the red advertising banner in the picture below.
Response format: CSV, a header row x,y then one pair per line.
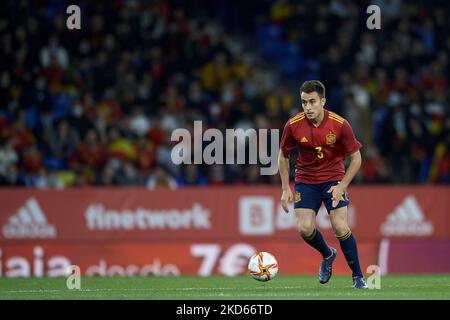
x,y
177,258
211,231
211,214
207,258
417,256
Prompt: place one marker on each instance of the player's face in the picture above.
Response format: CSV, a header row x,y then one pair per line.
x,y
312,104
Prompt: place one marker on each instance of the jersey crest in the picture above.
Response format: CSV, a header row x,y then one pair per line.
x,y
331,138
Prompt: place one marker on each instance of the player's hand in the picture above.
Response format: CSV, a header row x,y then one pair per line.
x,y
337,192
286,198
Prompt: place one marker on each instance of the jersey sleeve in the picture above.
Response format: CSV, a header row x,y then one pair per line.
x,y
348,139
287,140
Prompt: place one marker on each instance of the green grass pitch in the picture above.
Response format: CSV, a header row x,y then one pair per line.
x,y
218,287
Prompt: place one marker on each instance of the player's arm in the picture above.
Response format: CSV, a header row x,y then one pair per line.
x,y
353,167
351,146
283,167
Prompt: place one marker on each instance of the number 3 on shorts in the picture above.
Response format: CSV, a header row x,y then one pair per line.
x,y
319,152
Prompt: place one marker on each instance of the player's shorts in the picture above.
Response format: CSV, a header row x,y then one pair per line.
x,y
310,196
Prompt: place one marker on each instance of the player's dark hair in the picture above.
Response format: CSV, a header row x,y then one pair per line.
x,y
313,85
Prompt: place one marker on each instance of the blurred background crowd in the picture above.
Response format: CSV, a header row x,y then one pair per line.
x,y
96,106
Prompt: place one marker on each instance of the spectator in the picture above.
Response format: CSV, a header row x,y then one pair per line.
x,y
62,141
124,90
11,177
191,176
160,178
8,157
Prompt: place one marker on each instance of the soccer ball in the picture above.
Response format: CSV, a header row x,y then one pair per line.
x,y
263,266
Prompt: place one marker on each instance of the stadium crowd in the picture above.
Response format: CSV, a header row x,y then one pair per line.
x,y
97,106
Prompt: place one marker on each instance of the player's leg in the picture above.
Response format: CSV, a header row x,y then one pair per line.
x,y
306,224
339,222
307,203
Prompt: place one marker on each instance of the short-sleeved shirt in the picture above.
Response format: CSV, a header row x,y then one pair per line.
x,y
322,149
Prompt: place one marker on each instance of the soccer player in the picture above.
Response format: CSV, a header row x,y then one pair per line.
x,y
323,139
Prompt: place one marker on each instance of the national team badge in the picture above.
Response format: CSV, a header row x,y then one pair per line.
x,y
331,138
298,197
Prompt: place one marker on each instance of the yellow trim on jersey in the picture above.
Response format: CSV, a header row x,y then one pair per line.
x,y
297,120
301,114
337,120
341,121
335,115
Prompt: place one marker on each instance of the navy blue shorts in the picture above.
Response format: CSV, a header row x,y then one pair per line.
x,y
310,196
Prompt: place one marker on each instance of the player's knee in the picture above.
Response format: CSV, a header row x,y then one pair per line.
x,y
306,230
341,230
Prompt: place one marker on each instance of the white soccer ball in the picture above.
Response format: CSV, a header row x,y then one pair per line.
x,y
263,266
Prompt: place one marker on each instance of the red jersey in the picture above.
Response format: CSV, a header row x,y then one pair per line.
x,y
321,149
